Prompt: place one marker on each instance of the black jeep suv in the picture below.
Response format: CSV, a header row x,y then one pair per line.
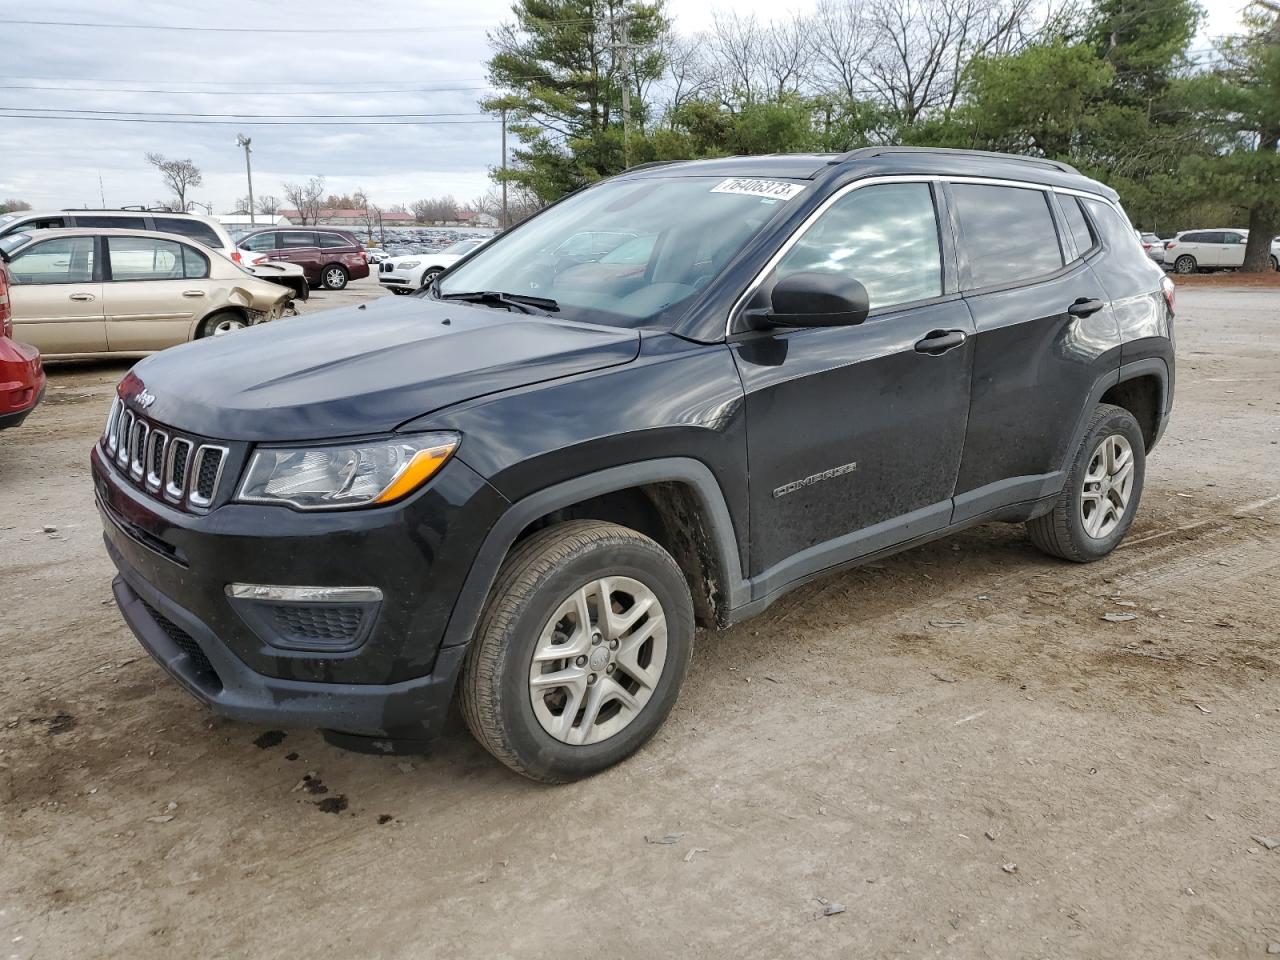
x,y
526,484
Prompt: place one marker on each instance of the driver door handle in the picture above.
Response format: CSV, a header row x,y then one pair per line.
x,y
193,293
1085,307
84,297
938,342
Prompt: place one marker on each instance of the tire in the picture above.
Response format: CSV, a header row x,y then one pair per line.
x,y
222,323
1275,263
1074,529
430,275
1185,264
534,600
400,291
334,277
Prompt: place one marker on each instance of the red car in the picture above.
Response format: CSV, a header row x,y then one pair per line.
x,y
329,257
21,372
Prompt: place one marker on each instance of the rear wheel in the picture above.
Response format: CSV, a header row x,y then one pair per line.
x,y
1101,495
1185,264
1275,263
334,276
222,323
580,653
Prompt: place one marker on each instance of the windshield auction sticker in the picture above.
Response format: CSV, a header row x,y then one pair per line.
x,y
750,187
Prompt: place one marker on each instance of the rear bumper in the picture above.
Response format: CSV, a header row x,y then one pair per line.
x,y
22,381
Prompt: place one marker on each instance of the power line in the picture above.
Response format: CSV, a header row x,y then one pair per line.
x,y
248,93
245,116
251,123
261,30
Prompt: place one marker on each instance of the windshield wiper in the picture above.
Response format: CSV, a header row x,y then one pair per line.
x,y
519,301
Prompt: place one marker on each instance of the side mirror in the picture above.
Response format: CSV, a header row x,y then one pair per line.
x,y
815,299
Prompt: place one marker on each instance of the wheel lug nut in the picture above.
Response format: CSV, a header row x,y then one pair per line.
x,y
613,644
610,668
596,638
591,679
581,661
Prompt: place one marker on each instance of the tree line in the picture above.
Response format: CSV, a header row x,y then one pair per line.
x,y
1187,135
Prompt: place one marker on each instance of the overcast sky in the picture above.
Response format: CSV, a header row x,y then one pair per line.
x,y
385,70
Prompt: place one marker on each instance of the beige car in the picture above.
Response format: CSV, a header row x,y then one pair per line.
x,y
87,293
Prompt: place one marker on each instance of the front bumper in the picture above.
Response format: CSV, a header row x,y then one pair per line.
x,y
396,281
175,566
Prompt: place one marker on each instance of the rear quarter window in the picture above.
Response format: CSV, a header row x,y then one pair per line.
x,y
193,229
328,240
1117,235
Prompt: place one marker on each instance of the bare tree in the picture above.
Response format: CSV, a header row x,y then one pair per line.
x,y
435,209
840,46
178,175
307,198
267,206
13,205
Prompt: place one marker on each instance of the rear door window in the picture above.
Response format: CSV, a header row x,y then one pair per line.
x,y
1008,234
145,258
329,240
296,238
110,221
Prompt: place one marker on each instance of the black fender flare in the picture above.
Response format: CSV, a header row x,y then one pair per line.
x,y
497,543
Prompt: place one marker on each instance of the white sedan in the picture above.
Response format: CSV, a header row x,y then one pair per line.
x,y
413,271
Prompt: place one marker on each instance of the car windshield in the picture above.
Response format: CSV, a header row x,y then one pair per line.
x,y
13,241
461,247
628,253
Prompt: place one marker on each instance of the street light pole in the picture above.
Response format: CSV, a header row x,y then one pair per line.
x,y
243,141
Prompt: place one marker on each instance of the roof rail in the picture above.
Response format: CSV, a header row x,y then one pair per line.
x,y
136,208
649,164
863,153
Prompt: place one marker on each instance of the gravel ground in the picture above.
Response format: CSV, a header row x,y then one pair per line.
x,y
953,745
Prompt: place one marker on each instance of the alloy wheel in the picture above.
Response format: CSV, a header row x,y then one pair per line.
x,y
1108,486
1184,265
228,326
598,660
335,279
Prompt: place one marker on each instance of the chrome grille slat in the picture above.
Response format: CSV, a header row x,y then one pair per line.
x,y
186,472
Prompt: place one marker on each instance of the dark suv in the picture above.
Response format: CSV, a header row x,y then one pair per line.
x,y
330,258
526,485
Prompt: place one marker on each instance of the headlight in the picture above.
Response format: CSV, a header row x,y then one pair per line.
x,y
345,475
408,264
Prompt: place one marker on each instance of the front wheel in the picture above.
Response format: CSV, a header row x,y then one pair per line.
x,y
580,653
1275,263
1101,495
1185,264
334,277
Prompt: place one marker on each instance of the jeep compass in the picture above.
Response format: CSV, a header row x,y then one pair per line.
x,y
521,489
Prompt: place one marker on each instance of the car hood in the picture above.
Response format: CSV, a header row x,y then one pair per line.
x,y
363,370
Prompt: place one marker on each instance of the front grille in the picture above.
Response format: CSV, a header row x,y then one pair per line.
x,y
318,625
161,462
386,266
186,643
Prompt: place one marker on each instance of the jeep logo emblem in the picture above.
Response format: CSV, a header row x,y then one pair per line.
x,y
145,399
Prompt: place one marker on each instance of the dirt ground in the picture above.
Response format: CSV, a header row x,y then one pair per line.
x,y
953,745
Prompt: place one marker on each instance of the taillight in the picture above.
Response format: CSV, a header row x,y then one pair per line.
x,y
6,311
1166,285
1170,245
258,260
235,255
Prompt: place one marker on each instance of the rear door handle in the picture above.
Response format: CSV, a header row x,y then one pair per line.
x,y
939,342
193,293
1085,307
83,297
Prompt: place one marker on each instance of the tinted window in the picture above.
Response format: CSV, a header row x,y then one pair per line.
x,y
1117,235
334,240
1008,233
297,238
1233,238
263,241
1077,224
191,228
145,258
886,237
109,221
55,261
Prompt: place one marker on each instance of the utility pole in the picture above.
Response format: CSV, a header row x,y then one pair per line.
x,y
243,141
624,59
504,168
